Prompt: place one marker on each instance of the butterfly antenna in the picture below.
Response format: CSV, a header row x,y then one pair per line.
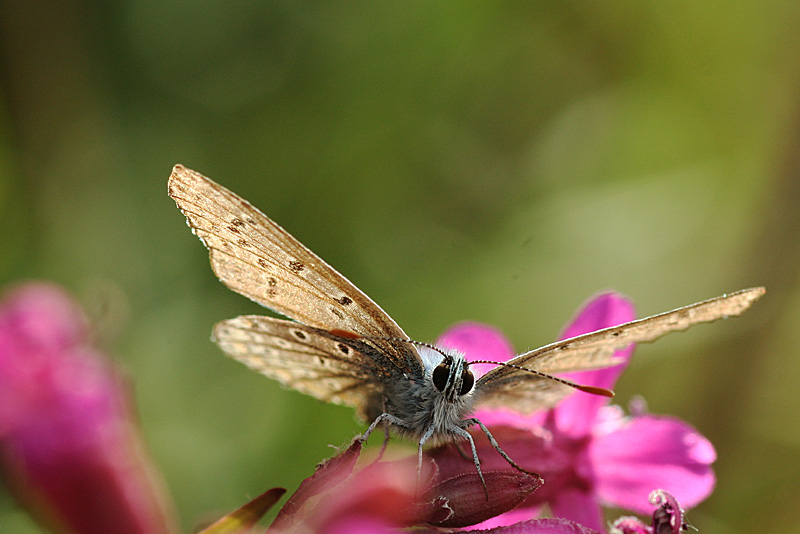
x,y
594,390
580,387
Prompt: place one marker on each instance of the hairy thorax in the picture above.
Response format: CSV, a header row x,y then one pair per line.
x,y
423,408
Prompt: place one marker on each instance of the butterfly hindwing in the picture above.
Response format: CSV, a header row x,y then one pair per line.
x,y
315,362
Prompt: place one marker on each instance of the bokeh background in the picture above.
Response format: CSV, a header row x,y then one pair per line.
x,y
494,161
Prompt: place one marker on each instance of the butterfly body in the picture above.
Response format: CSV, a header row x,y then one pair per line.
x,y
430,407
339,346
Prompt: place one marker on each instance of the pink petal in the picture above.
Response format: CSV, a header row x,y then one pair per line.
x,y
509,518
652,452
575,415
579,506
477,341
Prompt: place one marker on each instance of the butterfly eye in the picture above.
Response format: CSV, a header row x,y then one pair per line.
x,y
440,376
467,381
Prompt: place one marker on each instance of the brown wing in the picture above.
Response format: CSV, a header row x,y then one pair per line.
x,y
312,361
526,392
255,257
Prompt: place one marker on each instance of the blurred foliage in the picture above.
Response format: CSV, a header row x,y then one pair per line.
x,y
496,161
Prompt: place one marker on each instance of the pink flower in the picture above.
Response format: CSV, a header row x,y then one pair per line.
x,y
385,496
589,453
67,440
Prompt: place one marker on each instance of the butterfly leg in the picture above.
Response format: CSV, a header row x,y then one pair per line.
x,y
425,437
385,435
466,435
387,419
473,421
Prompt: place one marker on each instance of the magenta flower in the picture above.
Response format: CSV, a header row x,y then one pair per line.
x,y
589,453
384,498
67,442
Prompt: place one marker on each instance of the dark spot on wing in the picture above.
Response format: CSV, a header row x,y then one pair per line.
x,y
299,334
296,266
272,283
337,313
344,349
344,301
263,264
250,220
237,222
242,242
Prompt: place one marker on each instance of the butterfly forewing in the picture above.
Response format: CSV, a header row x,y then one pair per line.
x,y
312,361
506,386
255,257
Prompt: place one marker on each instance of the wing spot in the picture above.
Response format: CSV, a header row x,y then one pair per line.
x,y
262,263
564,347
250,220
237,222
337,313
242,242
299,334
282,343
344,349
296,266
344,301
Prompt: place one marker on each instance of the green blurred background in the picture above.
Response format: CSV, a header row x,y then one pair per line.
x,y
500,162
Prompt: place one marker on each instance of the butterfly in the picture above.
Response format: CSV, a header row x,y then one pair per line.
x,y
341,347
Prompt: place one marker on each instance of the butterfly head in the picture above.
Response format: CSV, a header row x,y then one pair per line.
x,y
452,377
